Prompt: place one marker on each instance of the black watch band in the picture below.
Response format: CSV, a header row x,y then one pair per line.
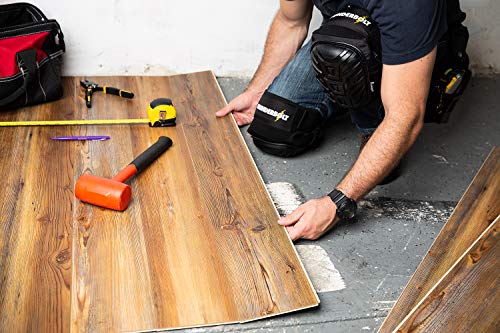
x,y
346,207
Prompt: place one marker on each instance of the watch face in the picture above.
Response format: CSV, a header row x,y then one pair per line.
x,y
348,209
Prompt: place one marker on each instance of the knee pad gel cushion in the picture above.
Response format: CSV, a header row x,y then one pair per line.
x,y
284,128
345,55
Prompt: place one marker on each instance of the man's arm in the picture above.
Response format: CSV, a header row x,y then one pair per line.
x,y
404,94
286,35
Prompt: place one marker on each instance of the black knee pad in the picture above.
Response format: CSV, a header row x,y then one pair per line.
x,y
284,128
345,55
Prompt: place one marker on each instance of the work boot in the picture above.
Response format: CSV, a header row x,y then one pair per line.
x,y
393,175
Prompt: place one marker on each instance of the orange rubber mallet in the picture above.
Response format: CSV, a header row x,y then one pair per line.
x,y
114,193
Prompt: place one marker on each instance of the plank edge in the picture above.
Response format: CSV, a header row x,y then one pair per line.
x,y
493,151
446,274
227,323
270,199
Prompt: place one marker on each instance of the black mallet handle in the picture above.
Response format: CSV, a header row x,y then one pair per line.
x,y
142,161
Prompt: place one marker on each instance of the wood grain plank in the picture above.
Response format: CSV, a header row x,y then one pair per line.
x,y
178,256
240,226
175,257
35,220
477,209
466,299
110,280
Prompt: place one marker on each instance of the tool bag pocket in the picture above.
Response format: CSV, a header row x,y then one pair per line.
x,y
31,49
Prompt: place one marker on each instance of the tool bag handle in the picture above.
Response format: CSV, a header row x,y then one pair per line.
x,y
26,61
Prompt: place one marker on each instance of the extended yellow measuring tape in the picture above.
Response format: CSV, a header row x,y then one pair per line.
x,y
161,113
74,122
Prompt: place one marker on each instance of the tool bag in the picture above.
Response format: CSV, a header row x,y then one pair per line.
x,y
31,49
451,73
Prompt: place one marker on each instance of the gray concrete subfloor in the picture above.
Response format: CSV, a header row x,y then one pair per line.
x,y
377,253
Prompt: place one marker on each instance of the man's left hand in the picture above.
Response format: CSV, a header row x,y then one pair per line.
x,y
311,220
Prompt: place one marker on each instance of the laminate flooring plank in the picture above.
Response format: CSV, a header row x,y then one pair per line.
x,y
111,288
161,235
176,257
238,206
35,220
198,245
466,299
477,209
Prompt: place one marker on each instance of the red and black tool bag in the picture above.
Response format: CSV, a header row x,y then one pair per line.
x,y
31,49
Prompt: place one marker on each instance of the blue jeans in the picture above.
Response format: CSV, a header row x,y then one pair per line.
x,y
297,82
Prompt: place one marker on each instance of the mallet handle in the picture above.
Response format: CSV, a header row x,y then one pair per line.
x,y
142,161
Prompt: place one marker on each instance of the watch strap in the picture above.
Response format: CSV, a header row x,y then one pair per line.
x,y
341,200
336,196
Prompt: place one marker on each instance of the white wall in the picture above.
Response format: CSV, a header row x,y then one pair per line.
x,y
155,37
484,30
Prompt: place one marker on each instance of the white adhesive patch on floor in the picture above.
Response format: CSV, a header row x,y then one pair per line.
x,y
324,276
285,196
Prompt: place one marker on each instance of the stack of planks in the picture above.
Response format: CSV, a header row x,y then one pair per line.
x,y
198,245
455,288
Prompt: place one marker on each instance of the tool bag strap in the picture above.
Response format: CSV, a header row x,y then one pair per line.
x,y
26,61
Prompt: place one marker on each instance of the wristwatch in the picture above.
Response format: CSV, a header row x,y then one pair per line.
x,y
346,207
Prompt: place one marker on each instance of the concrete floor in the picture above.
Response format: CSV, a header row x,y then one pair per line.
x,y
377,253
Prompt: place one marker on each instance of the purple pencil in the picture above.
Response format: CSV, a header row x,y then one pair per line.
x,y
83,137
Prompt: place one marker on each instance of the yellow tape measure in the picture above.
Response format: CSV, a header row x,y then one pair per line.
x,y
161,113
73,122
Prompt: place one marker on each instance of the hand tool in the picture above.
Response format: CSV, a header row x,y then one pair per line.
x,y
114,193
454,83
91,87
81,137
163,107
161,115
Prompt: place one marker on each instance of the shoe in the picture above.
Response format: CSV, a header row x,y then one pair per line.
x,y
393,175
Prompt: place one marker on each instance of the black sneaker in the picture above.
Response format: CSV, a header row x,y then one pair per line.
x,y
393,175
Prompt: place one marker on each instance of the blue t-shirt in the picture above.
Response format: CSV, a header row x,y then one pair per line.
x,y
409,29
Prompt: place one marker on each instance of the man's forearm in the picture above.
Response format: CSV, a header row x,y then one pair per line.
x,y
404,92
382,152
286,35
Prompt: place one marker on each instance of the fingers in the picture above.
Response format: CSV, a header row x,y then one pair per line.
x,y
238,119
225,110
293,217
309,221
242,119
296,231
234,105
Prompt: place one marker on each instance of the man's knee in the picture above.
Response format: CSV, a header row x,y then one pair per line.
x,y
284,128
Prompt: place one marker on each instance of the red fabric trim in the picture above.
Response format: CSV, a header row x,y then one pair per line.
x,y
10,46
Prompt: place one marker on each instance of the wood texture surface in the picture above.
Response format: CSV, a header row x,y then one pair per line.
x,y
198,245
36,220
466,299
477,209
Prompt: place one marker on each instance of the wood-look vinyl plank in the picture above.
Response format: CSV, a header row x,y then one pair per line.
x,y
198,245
250,227
477,209
35,221
466,299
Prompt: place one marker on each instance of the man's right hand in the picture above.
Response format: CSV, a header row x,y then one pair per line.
x,y
286,35
243,107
